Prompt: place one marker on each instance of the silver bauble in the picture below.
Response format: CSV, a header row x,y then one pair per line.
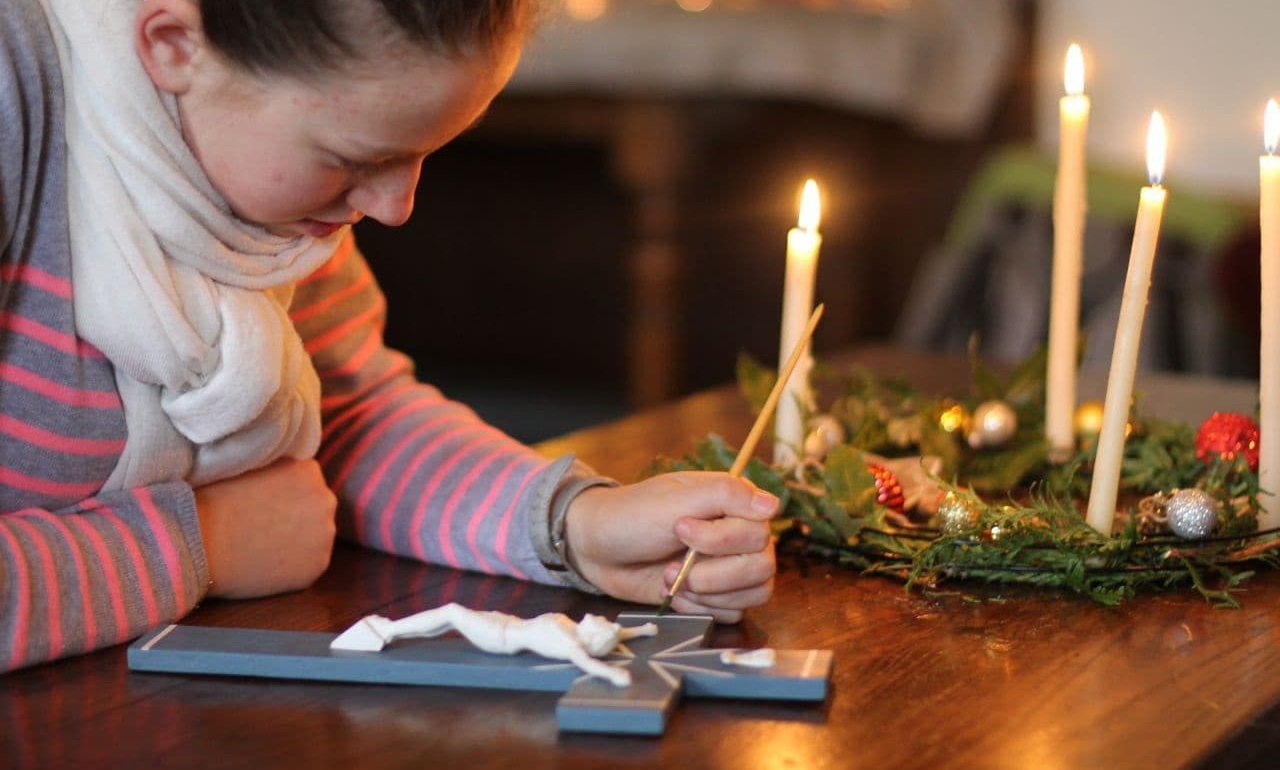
x,y
994,423
1192,513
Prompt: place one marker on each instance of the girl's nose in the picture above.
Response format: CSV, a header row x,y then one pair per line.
x,y
387,196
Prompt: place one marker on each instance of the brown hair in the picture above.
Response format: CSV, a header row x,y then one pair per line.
x,y
299,37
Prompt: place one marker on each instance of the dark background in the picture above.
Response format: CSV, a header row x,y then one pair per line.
x,y
509,285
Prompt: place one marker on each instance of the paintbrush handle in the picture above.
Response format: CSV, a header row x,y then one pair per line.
x,y
753,437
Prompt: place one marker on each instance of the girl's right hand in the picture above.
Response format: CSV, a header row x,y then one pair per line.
x,y
267,531
630,541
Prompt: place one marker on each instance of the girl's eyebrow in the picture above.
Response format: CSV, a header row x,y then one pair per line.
x,y
388,154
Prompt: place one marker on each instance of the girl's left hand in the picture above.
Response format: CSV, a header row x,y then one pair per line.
x,y
630,541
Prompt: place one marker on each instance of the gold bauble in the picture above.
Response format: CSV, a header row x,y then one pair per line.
x,y
956,515
1087,422
954,419
1088,419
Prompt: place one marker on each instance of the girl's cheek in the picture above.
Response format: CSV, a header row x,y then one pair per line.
x,y
307,190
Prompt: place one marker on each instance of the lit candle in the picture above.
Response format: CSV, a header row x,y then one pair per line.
x,y
1124,356
803,242
1069,204
1269,355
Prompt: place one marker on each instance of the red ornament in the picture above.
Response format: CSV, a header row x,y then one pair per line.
x,y
888,488
1228,435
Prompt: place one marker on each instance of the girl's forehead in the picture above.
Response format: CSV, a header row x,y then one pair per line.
x,y
404,106
399,63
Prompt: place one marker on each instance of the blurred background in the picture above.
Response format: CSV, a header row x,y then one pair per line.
x,y
613,234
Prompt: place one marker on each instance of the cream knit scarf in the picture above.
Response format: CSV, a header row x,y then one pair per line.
x,y
187,301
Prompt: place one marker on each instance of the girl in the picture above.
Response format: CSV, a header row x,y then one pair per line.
x,y
194,393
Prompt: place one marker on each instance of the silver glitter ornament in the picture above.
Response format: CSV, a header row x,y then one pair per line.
x,y
994,423
1192,513
956,515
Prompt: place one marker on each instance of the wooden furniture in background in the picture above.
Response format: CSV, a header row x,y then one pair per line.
x,y
935,67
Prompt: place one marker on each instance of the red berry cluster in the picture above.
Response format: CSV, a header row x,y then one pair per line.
x,y
1228,435
888,488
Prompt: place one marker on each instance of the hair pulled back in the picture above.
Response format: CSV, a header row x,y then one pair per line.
x,y
299,37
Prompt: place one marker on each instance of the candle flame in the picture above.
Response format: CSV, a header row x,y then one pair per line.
x,y
1157,145
1271,126
810,206
1073,72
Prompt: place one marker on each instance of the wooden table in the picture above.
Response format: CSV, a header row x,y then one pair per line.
x,y
971,678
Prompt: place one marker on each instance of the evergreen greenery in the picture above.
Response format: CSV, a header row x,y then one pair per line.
x,y
1028,526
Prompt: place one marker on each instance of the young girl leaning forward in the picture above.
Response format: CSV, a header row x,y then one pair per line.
x,y
194,392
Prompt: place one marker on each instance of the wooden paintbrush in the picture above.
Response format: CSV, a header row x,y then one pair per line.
x,y
753,437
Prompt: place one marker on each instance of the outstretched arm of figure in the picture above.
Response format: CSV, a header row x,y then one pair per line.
x,y
555,636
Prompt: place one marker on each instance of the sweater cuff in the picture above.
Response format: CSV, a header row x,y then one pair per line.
x,y
547,520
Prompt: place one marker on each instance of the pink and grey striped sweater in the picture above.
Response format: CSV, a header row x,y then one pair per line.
x,y
416,474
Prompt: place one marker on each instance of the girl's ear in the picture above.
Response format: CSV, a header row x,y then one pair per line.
x,y
168,37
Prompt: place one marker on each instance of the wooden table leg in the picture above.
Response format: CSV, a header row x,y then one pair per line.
x,y
650,143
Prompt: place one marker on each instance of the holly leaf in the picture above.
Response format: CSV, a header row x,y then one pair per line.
x,y
850,484
714,454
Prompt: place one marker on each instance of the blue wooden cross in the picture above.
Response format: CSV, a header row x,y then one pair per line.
x,y
661,667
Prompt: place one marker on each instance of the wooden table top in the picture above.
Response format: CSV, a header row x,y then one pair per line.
x,y
970,677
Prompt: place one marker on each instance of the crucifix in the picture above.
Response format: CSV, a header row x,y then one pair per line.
x,y
663,666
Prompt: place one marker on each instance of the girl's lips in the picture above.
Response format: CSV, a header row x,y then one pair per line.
x,y
317,229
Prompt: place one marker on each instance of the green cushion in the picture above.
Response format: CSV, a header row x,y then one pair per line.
x,y
1025,175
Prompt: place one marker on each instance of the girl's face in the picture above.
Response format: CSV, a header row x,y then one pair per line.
x,y
304,157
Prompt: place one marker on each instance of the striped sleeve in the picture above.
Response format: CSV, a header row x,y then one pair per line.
x,y
99,573
416,474
77,572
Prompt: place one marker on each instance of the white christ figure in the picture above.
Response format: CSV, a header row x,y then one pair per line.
x,y
552,635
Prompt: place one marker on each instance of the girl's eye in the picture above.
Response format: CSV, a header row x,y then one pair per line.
x,y
357,166
363,166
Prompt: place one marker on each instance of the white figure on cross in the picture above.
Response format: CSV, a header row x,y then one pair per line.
x,y
551,635
673,663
